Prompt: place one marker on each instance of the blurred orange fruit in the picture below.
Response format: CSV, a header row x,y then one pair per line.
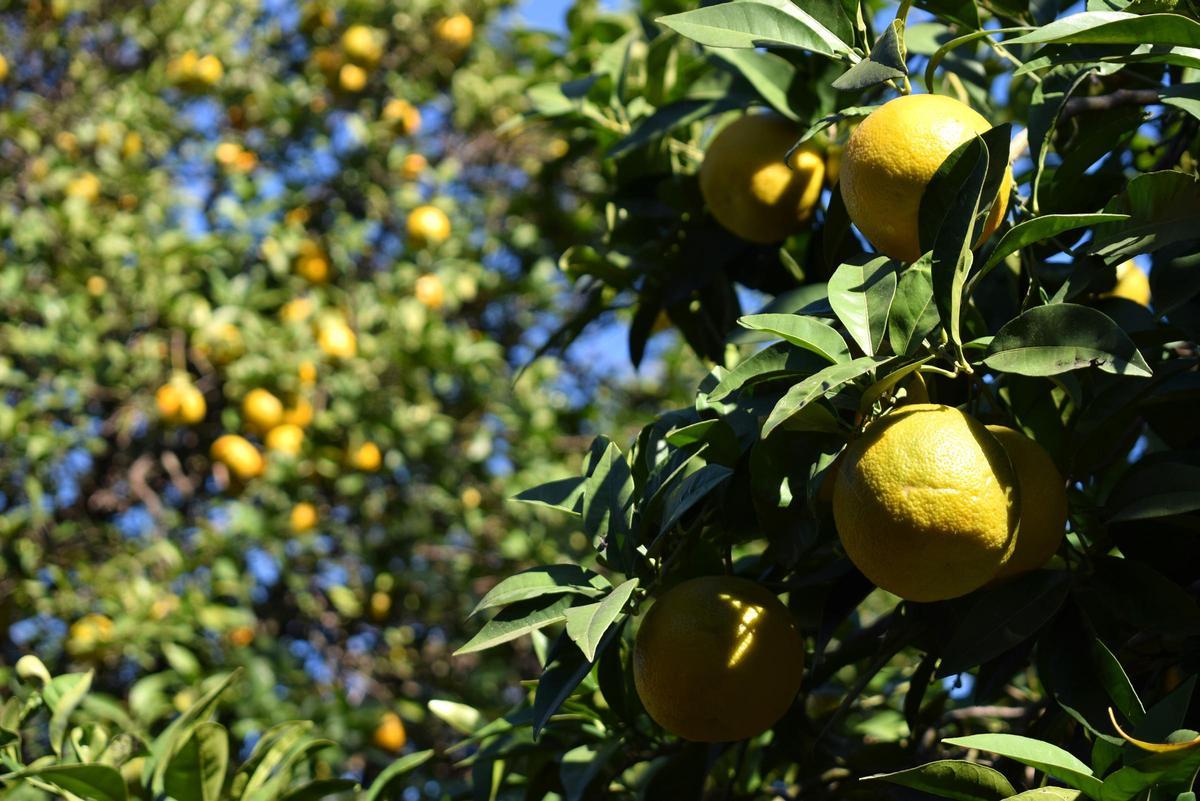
x,y
427,226
286,438
390,734
429,292
239,455
367,457
261,410
303,517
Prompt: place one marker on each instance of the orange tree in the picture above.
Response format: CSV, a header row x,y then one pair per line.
x,y
267,278
928,527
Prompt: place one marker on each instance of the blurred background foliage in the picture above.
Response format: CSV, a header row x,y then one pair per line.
x,y
261,401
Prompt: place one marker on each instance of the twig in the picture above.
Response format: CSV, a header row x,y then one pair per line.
x,y
1121,97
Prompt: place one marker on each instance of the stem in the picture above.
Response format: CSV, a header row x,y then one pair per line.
x,y
930,368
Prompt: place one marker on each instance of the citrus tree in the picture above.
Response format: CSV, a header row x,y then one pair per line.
x,y
268,278
927,527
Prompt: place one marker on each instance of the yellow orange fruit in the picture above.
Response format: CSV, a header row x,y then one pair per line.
x,y
303,517
96,285
1132,284
261,410
430,292
335,338
85,187
89,633
925,503
750,189
389,734
453,34
367,457
3,68
413,165
1043,503
300,413
890,159
180,403
427,226
239,455
311,262
296,310
286,438
403,116
362,45
208,70
352,78
717,659
307,372
241,636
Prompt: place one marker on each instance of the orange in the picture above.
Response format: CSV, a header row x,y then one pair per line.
x,y
925,503
389,734
1132,284
241,457
427,226
429,291
890,159
261,410
1043,502
286,438
717,659
367,457
303,517
750,189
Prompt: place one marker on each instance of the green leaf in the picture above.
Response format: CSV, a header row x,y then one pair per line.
x,y
90,782
563,494
1116,27
885,384
769,74
1116,683
518,620
63,695
952,778
675,115
886,62
462,718
320,788
802,331
581,765
849,113
1038,229
690,491
545,580
388,776
822,384
607,507
1046,757
996,619
913,314
861,295
587,625
196,771
172,737
775,361
1046,794
756,23
561,678
1048,340
1163,209
1157,489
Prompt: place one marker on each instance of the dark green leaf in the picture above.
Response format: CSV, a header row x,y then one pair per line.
x,y
1116,683
998,618
820,385
776,361
388,776
564,494
952,778
91,782
1116,27
756,23
518,620
690,491
1163,209
1048,340
587,625
769,74
545,580
802,331
1046,757
886,62
196,771
861,295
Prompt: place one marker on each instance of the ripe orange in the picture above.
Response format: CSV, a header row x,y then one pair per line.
x,y
717,659
890,159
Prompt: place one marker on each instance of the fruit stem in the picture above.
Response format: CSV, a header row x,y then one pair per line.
x,y
930,368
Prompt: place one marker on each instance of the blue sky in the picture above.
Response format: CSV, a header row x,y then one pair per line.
x,y
550,13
